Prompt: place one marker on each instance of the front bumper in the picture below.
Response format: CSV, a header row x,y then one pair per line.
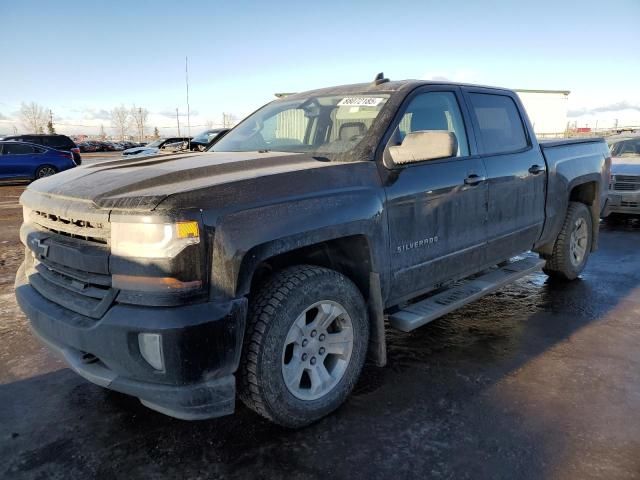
x,y
201,344
622,202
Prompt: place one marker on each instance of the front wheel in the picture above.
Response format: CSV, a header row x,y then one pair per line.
x,y
305,345
573,245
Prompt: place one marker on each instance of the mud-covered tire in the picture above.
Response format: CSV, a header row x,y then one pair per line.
x,y
273,311
563,263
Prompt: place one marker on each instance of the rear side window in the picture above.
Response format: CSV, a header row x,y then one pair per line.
x,y
31,139
60,143
501,128
17,149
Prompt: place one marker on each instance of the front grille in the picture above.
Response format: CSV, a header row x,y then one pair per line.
x,y
629,204
626,187
91,231
89,294
67,259
628,178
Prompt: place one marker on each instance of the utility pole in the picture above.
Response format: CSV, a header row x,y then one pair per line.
x,y
141,132
186,77
50,127
178,120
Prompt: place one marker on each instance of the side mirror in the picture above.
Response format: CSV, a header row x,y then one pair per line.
x,y
424,145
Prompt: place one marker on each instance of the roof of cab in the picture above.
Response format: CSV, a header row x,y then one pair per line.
x,y
386,87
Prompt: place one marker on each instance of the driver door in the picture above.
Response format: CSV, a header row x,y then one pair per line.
x,y
437,209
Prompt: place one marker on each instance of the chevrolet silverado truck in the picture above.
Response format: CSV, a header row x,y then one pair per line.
x,y
624,186
268,267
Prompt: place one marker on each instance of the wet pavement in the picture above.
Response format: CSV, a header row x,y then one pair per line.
x,y
540,380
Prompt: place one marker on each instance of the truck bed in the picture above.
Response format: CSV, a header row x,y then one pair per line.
x,y
554,142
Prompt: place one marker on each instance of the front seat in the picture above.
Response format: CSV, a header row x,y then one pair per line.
x,y
351,129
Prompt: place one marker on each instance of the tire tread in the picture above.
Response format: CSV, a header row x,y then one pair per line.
x,y
261,309
556,266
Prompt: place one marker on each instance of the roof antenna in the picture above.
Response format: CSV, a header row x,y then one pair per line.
x,y
380,79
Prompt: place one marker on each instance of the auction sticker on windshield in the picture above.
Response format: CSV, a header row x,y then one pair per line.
x,y
360,101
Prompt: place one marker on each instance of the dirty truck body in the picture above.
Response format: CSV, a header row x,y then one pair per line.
x,y
185,280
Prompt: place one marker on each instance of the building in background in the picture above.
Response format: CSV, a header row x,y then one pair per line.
x,y
547,110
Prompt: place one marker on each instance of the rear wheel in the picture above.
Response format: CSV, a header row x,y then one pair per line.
x,y
305,345
45,171
573,245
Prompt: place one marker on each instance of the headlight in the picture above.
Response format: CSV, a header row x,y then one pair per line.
x,y
152,240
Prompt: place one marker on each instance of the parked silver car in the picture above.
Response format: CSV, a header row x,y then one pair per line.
x,y
171,144
624,186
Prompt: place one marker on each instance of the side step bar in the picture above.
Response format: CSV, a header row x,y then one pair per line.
x,y
431,308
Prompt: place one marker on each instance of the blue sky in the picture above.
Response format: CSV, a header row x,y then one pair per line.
x,y
82,58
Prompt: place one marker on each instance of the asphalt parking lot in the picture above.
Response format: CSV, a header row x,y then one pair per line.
x,y
540,380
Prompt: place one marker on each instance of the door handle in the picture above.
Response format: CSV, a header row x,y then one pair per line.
x,y
536,169
474,179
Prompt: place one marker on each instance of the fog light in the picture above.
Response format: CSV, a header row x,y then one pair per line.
x,y
151,349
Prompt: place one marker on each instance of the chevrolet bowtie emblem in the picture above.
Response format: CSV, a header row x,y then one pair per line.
x,y
40,248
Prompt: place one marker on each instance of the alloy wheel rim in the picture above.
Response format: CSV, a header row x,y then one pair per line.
x,y
46,172
578,242
317,350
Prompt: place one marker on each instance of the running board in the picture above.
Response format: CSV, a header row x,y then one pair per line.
x,y
425,311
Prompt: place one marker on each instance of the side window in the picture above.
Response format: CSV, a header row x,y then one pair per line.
x,y
58,142
17,149
501,128
433,111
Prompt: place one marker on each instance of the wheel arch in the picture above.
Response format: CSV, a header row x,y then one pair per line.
x,y
350,255
588,193
585,189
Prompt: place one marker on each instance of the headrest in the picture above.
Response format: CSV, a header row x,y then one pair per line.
x,y
351,129
429,119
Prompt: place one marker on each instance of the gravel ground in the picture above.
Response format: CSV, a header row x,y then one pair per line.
x,y
540,380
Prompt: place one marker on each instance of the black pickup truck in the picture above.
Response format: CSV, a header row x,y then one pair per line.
x,y
269,265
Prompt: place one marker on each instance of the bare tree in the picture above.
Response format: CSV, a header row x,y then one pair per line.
x,y
228,120
102,134
33,117
120,120
139,116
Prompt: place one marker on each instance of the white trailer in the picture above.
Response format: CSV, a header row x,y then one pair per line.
x,y
547,110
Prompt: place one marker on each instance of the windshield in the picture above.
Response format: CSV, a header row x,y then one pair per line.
x,y
205,137
155,143
325,125
626,148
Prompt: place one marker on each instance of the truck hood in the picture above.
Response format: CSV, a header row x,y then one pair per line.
x,y
143,183
625,165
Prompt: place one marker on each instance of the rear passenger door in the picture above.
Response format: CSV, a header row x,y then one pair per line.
x,y
515,172
436,209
